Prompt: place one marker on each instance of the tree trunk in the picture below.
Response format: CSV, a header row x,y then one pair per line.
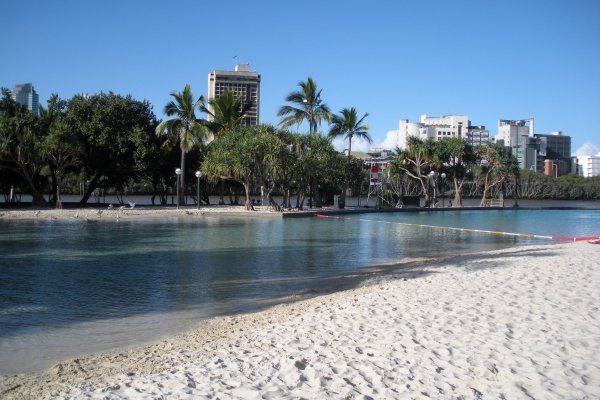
x,y
485,190
425,191
318,202
58,199
53,182
342,201
37,197
248,201
91,187
222,192
181,178
457,202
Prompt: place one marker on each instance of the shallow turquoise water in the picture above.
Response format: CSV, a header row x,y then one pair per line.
x,y
562,223
70,287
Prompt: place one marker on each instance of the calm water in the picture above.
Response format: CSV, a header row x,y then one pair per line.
x,y
72,287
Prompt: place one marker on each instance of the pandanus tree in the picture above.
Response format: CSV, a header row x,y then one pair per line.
x,y
457,157
417,161
247,155
185,128
306,106
349,125
225,113
496,165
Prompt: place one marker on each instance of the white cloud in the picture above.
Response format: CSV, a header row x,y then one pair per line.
x,y
341,144
391,140
389,143
588,149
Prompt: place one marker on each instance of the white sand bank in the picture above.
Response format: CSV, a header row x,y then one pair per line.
x,y
126,212
515,324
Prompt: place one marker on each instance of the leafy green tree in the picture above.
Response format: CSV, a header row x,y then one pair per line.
x,y
105,125
306,106
287,177
247,155
61,147
358,175
323,166
154,163
457,157
497,166
349,125
226,112
20,140
185,128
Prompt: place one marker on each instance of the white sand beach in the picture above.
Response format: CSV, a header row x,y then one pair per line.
x,y
127,212
518,323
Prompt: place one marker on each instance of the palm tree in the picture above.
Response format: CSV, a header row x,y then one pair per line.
x,y
226,112
348,125
185,128
307,107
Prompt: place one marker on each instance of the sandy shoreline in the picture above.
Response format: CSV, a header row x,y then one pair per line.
x,y
516,323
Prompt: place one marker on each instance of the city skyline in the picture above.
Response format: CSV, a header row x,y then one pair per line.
x,y
395,61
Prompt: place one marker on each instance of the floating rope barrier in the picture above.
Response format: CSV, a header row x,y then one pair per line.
x,y
451,228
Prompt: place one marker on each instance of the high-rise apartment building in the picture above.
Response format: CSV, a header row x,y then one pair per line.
x,y
518,136
244,83
555,148
478,135
26,95
533,150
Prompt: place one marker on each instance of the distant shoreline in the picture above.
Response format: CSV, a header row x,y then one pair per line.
x,y
95,212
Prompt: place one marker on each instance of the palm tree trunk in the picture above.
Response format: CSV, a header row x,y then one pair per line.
x,y
181,179
342,203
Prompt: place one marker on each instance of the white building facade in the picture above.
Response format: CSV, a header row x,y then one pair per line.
x,y
245,84
438,128
514,132
587,166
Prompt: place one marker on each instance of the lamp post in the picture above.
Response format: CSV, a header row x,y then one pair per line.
x,y
555,169
516,205
178,173
443,189
198,175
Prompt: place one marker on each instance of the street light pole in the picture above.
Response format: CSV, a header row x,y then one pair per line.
x,y
443,189
178,173
198,175
431,181
516,205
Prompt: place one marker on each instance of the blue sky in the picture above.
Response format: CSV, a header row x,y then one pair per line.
x,y
489,60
